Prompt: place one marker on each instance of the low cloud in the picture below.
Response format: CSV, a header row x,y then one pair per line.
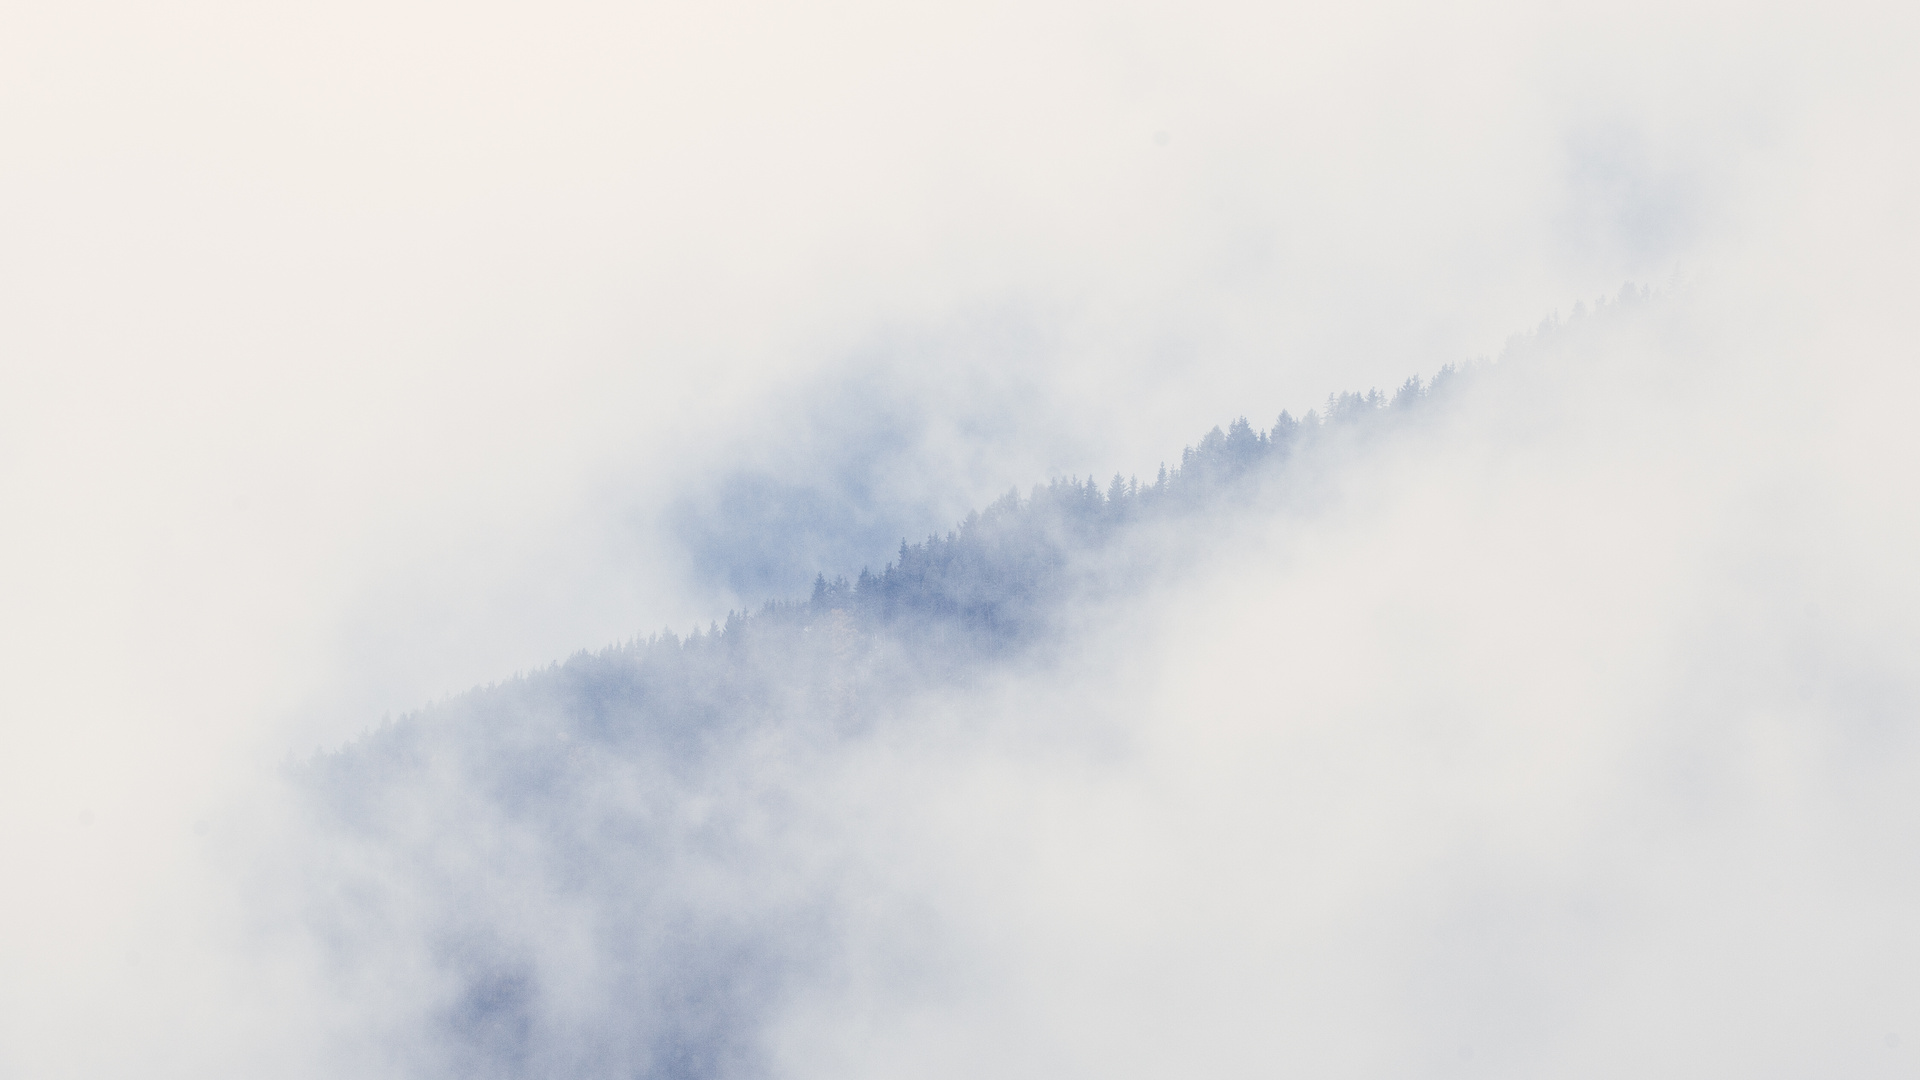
x,y
359,357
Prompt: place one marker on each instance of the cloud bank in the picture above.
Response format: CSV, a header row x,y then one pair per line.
x,y
359,357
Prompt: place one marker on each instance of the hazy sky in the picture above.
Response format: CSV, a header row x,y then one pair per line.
x,y
354,354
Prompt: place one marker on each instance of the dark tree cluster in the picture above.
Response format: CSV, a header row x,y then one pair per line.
x,y
995,574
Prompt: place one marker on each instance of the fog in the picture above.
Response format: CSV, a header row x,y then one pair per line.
x,y
1553,744
355,357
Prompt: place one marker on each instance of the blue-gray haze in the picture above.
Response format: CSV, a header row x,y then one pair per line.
x,y
1562,724
595,869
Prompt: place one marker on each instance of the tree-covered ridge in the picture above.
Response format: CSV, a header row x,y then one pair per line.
x,y
991,572
986,584
617,794
613,867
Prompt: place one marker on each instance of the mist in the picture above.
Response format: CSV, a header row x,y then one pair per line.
x,y
1546,744
358,358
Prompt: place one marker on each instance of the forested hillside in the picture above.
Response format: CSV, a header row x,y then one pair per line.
x,y
591,870
993,577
